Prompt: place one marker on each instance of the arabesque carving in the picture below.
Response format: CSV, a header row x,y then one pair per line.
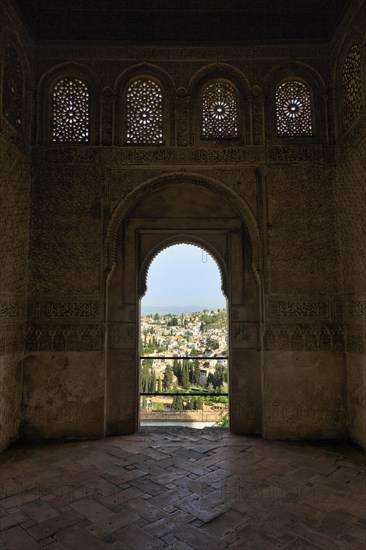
x,y
69,309
298,308
357,308
64,338
305,337
10,309
295,153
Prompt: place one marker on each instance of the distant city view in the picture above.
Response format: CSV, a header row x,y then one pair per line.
x,y
184,348
190,351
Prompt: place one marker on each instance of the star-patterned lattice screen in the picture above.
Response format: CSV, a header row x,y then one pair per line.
x,y
13,87
293,109
352,87
144,112
219,111
70,111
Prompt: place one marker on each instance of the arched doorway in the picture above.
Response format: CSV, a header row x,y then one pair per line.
x,y
184,361
172,209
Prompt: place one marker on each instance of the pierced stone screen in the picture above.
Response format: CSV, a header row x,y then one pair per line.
x,y
144,112
352,87
12,87
70,111
293,109
219,111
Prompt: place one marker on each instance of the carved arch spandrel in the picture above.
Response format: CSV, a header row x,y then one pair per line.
x,y
183,238
161,182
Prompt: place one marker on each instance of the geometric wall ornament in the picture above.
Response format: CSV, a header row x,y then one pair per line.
x,y
352,86
219,111
70,111
144,112
293,109
12,87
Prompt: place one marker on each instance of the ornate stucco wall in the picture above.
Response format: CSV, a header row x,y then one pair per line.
x,y
287,185
351,220
15,180
300,317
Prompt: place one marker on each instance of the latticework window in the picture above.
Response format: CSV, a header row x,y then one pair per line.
x,y
70,111
293,109
352,86
144,112
13,87
219,111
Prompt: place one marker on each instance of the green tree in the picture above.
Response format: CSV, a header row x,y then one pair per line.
x,y
177,370
146,375
152,381
185,374
168,378
199,403
190,405
177,404
196,372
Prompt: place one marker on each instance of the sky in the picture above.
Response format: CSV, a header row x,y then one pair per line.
x,y
184,275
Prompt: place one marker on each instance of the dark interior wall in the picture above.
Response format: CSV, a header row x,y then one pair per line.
x,y
15,177
351,220
288,187
301,197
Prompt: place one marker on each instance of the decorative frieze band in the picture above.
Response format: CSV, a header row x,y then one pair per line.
x,y
294,153
64,338
310,337
10,309
357,308
278,337
298,308
69,309
11,339
178,155
129,53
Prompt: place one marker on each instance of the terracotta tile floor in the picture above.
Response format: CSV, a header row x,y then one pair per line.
x,y
180,488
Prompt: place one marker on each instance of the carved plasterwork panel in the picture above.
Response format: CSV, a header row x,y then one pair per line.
x,y
305,337
352,86
66,244
12,93
293,109
219,111
298,308
144,112
70,111
302,244
357,308
64,338
70,310
11,338
14,216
